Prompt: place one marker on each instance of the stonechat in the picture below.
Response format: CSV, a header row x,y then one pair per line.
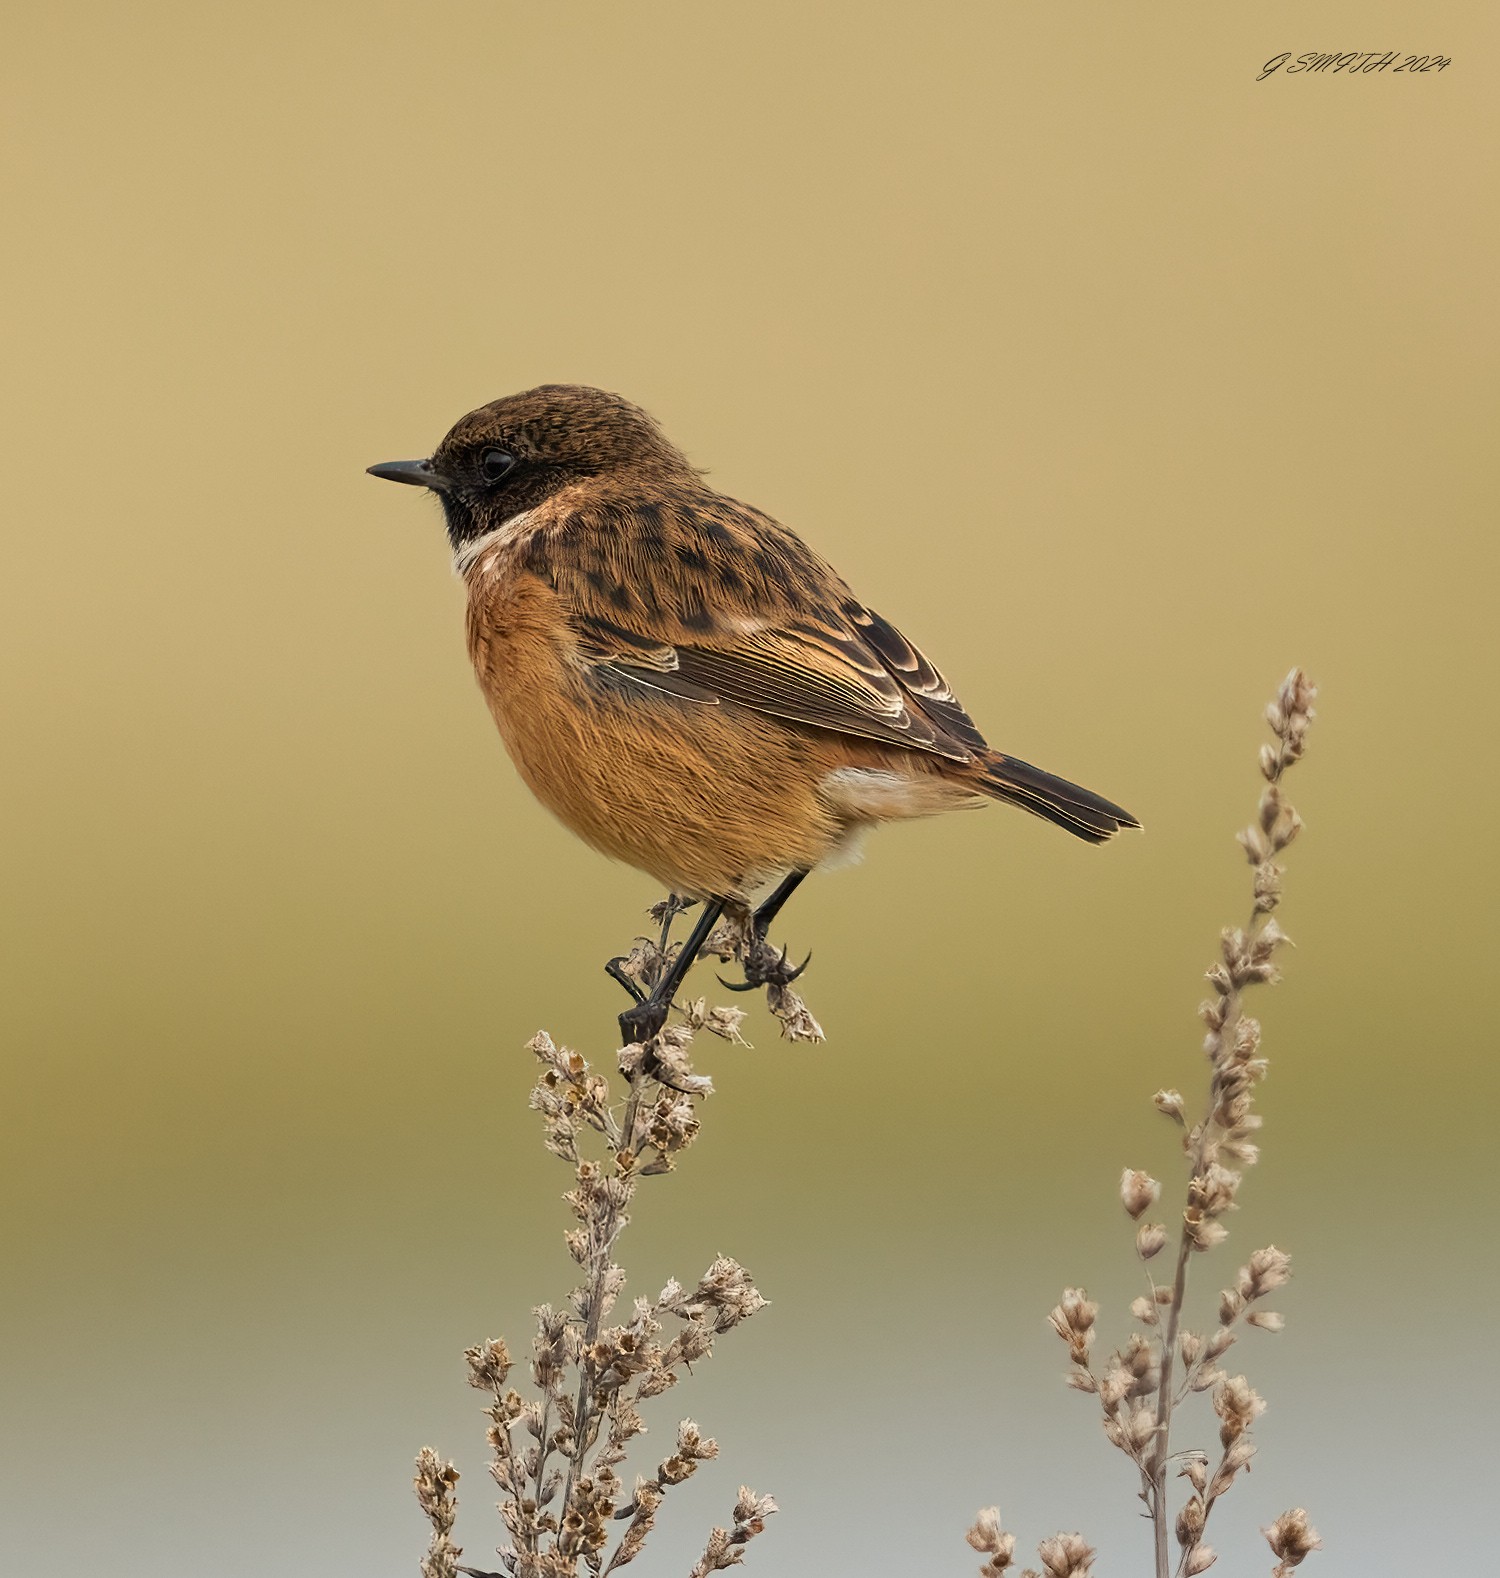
x,y
682,681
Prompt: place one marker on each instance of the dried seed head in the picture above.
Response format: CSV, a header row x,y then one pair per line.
x,y
1116,1383
1269,808
989,1539
1073,1320
1296,695
1169,1102
1150,1240
1254,842
1142,1427
1267,1320
489,1363
1267,1269
1200,1559
1190,1521
1238,1406
1291,1538
1203,1234
1195,1471
1267,888
1144,1310
1245,1152
1067,1556
1138,1191
749,1506
1233,1461
1288,825
1213,1190
434,1482
1220,1343
750,1514
722,1022
1139,1357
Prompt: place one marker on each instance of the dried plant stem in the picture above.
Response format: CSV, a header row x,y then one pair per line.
x,y
590,1378
1165,1399
600,1259
1232,1041
1138,1387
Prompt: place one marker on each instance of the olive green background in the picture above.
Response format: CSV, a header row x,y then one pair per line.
x,y
1119,380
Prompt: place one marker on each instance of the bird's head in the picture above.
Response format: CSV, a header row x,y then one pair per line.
x,y
511,455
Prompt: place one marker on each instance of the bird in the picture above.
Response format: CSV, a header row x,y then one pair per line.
x,y
684,682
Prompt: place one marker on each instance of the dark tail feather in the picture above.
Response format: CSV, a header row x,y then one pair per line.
x,y
1082,812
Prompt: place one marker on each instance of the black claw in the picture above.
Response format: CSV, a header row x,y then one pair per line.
x,y
646,1019
787,981
615,970
758,974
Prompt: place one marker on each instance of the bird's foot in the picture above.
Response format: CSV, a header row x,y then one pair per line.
x,y
650,1055
764,966
644,1022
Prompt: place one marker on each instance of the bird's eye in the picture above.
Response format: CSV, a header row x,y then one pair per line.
x,y
494,463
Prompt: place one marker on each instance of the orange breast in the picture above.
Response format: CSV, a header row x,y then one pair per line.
x,y
707,799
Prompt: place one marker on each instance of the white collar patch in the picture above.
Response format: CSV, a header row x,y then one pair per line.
x,y
469,554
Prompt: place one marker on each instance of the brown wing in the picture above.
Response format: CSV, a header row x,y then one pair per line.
x,y
724,604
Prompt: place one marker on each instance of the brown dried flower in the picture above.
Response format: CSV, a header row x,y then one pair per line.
x,y
489,1364
989,1539
1238,1406
434,1482
1268,1269
1291,1538
1066,1556
726,1547
1150,1240
1190,1521
1169,1103
1073,1320
1138,1192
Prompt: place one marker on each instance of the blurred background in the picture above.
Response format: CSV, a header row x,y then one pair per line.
x,y
1121,381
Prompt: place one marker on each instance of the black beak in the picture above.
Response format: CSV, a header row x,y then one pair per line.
x,y
417,472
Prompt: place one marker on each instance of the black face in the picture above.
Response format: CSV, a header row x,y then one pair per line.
x,y
484,481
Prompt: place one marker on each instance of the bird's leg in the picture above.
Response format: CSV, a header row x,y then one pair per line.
x,y
645,1020
772,907
666,912
764,966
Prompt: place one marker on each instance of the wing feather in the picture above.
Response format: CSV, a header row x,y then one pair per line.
x,y
728,606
